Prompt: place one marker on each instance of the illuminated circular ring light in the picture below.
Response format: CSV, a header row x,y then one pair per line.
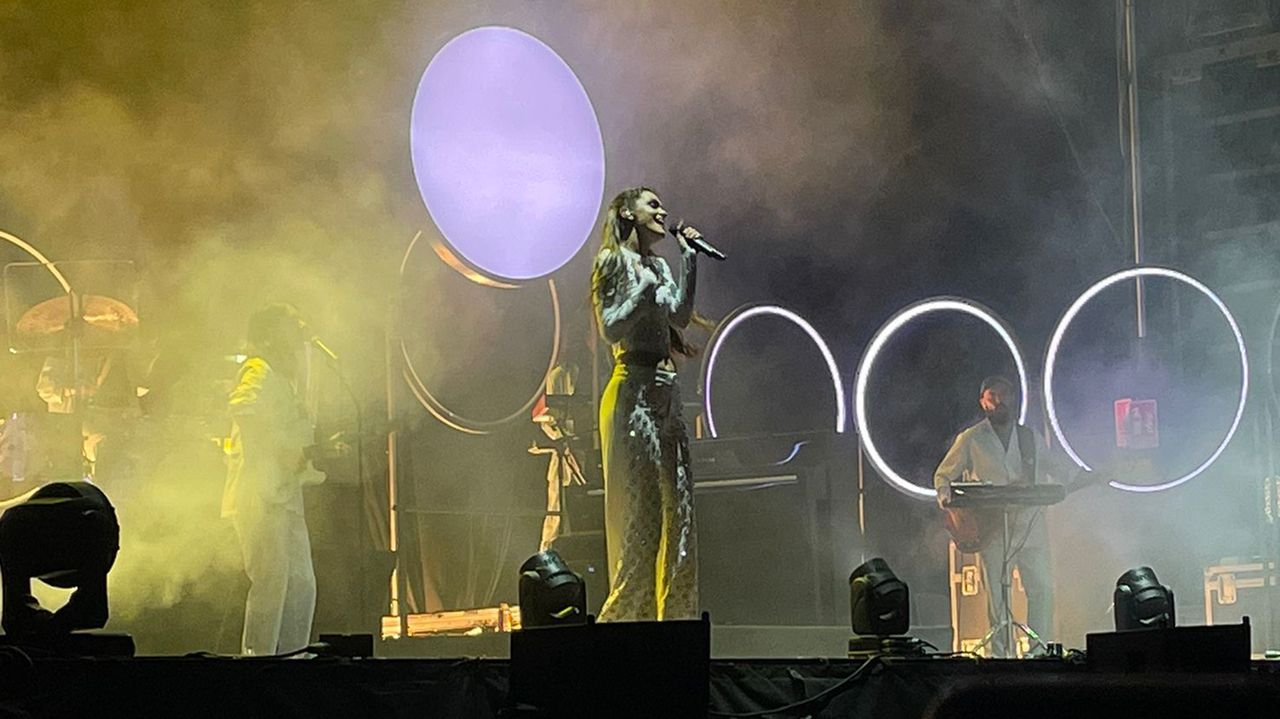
x,y
447,416
38,257
895,323
745,313
1061,330
1271,357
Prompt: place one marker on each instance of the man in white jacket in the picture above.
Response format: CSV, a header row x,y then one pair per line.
x,y
266,468
998,450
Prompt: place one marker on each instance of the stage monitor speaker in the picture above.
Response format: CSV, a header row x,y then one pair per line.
x,y
615,669
1223,649
98,645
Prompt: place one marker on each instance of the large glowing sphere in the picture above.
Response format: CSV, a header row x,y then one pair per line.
x,y
881,338
741,315
507,152
1055,344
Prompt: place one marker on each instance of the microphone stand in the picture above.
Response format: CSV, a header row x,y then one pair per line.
x,y
358,413
75,328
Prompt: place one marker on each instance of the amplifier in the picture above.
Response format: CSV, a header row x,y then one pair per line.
x,y
777,529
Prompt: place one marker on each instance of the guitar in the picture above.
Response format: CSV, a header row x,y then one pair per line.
x,y
971,529
318,459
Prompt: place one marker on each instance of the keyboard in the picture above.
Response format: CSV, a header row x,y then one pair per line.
x,y
975,495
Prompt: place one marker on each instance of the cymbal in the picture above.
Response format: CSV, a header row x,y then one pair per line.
x,y
99,312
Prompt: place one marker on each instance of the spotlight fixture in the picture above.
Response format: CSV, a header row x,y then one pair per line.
x,y
551,594
880,612
879,602
1141,601
66,535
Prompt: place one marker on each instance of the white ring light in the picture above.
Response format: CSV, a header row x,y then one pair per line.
x,y
741,315
437,408
1270,357
895,323
1061,330
39,257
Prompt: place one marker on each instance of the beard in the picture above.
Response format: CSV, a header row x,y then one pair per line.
x,y
1000,415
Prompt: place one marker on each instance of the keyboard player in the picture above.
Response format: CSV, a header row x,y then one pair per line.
x,y
997,450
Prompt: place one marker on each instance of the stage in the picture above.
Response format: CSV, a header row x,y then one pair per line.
x,y
339,318
472,687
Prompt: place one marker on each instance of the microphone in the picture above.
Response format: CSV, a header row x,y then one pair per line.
x,y
699,244
315,342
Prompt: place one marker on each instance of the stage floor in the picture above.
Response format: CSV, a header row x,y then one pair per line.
x,y
468,687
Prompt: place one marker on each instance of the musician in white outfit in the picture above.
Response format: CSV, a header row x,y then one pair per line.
x,y
266,469
992,451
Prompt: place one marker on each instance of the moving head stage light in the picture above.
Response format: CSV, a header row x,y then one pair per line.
x,y
1141,601
880,611
551,594
66,535
1146,639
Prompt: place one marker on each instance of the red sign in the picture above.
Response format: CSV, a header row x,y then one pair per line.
x,y
1137,424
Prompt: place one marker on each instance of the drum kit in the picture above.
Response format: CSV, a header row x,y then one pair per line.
x,y
100,423
97,313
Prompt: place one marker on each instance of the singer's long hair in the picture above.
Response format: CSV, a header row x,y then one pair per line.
x,y
619,232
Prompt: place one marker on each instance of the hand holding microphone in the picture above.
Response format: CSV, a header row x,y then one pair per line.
x,y
694,239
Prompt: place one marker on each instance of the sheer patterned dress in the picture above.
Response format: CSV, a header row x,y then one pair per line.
x,y
649,522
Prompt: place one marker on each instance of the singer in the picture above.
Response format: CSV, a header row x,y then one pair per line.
x,y
641,310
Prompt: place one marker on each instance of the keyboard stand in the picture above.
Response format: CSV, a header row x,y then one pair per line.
x,y
1007,624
